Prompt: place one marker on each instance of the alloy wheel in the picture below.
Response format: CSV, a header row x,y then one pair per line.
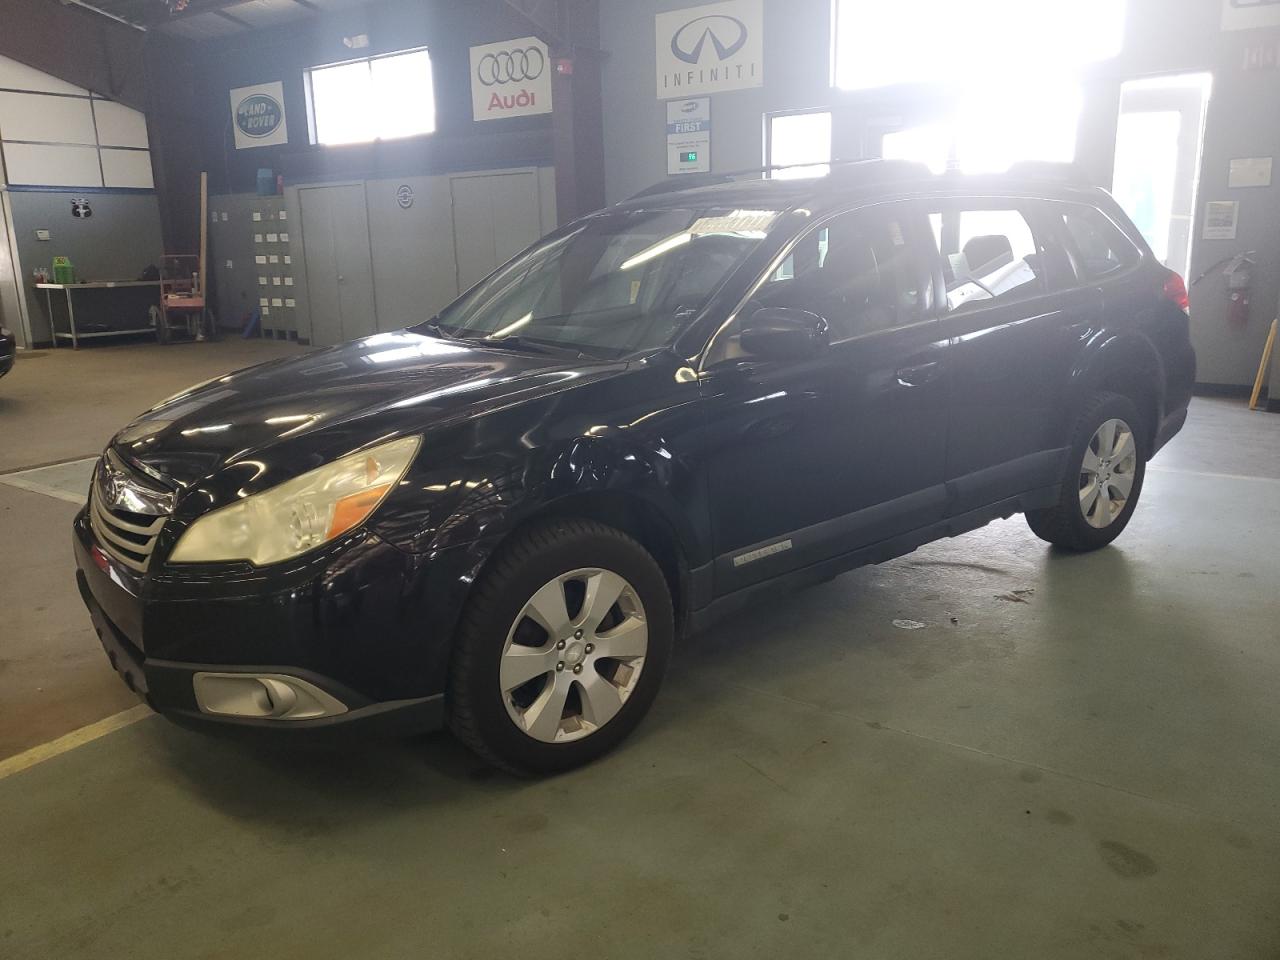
x,y
1107,473
573,655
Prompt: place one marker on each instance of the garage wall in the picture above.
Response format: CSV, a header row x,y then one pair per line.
x,y
60,143
1241,123
413,250
447,29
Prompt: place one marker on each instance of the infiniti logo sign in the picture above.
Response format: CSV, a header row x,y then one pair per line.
x,y
727,35
709,49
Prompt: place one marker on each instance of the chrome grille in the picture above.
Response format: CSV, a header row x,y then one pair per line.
x,y
127,535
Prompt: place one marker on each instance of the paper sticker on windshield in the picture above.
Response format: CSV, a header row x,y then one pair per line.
x,y
739,221
895,234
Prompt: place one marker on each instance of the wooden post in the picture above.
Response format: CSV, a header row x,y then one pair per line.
x,y
204,232
1263,364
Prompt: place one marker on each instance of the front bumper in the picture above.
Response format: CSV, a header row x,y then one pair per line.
x,y
366,627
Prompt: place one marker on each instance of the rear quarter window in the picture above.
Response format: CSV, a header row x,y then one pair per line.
x,y
1096,246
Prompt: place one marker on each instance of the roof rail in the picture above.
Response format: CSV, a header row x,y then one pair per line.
x,y
692,181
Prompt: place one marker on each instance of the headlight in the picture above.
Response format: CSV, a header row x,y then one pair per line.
x,y
5,332
300,514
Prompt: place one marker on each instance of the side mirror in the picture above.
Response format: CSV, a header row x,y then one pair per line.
x,y
784,333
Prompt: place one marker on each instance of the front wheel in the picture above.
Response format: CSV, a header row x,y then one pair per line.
x,y
1105,468
562,648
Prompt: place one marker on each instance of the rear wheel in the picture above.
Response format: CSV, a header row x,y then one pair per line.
x,y
1105,469
562,648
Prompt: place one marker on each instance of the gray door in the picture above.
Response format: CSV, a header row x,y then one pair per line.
x,y
335,243
495,216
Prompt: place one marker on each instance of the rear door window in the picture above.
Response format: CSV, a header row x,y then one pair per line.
x,y
988,253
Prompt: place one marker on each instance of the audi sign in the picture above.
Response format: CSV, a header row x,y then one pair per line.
x,y
510,79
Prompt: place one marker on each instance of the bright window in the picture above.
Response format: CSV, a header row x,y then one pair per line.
x,y
800,138
944,41
378,98
988,132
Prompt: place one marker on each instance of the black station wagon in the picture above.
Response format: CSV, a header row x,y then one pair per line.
x,y
500,520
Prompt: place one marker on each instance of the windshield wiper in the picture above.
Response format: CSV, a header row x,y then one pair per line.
x,y
433,327
517,342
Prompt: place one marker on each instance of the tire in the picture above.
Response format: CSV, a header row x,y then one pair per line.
x,y
1077,522
505,634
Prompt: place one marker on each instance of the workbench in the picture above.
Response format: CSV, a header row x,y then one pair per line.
x,y
68,288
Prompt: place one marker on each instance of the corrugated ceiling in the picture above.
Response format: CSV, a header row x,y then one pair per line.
x,y
212,19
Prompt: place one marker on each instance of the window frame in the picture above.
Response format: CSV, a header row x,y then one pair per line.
x,y
309,95
819,168
703,361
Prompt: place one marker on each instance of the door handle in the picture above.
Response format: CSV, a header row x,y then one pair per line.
x,y
918,375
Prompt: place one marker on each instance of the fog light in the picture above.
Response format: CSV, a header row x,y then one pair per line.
x,y
265,696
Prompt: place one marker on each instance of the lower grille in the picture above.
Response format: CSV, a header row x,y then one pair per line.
x,y
128,537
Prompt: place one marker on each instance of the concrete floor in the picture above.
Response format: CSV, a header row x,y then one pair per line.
x,y
1083,764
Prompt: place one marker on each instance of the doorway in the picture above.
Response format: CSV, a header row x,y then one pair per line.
x,y
1159,144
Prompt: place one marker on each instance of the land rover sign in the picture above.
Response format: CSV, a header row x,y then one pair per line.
x,y
257,113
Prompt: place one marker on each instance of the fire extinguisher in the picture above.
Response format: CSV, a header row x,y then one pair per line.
x,y
1239,273
1239,276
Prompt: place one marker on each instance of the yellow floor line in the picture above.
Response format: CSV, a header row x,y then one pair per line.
x,y
76,738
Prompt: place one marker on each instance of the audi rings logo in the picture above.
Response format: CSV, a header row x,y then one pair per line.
x,y
727,34
511,66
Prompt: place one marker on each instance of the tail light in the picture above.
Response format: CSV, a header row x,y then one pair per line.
x,y
1175,291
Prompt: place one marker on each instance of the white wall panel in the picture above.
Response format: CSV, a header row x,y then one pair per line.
x,y
32,116
126,168
18,76
119,126
30,163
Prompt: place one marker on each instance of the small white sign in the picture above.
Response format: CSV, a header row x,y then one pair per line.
x,y
257,114
689,136
1221,219
1250,172
510,79
710,49
1250,14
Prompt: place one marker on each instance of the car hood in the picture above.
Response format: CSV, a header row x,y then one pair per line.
x,y
327,403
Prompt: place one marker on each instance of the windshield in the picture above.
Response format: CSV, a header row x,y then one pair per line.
x,y
614,284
